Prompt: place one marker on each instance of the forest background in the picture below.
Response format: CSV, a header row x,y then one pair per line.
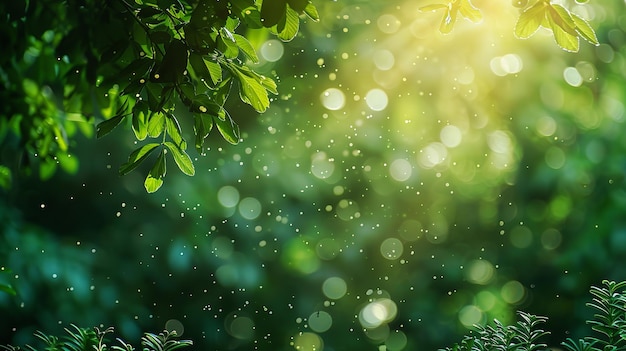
x,y
402,186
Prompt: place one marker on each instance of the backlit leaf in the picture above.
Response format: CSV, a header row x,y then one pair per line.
x,y
562,26
175,132
311,11
141,112
136,157
154,179
584,29
156,124
288,27
229,129
246,47
182,159
469,11
562,18
448,20
215,71
251,91
203,124
530,20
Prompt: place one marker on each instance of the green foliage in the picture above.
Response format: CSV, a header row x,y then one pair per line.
x,y
93,339
609,303
6,287
142,59
522,336
566,26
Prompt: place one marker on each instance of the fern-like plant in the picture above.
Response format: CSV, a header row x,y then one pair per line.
x,y
93,339
609,302
522,336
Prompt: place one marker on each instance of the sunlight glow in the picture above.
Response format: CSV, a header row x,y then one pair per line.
x,y
377,313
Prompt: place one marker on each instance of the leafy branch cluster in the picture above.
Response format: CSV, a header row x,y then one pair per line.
x,y
609,303
566,26
94,339
106,62
193,54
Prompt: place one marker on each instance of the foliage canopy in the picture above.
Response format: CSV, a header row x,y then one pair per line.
x,y
136,62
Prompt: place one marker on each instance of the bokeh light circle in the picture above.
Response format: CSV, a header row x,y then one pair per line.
x,y
400,170
391,248
450,136
334,288
240,327
308,342
376,99
513,292
480,272
228,196
250,208
320,321
377,313
174,325
333,99
471,315
272,50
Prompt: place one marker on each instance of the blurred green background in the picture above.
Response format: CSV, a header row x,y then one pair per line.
x,y
403,186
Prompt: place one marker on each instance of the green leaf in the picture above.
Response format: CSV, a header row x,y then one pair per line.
x,y
561,17
68,162
562,27
199,67
584,29
5,177
203,124
154,179
229,129
469,11
215,71
432,7
105,127
175,132
448,20
231,50
156,124
311,11
288,27
248,13
136,157
245,46
8,289
272,11
530,20
182,159
250,90
141,112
